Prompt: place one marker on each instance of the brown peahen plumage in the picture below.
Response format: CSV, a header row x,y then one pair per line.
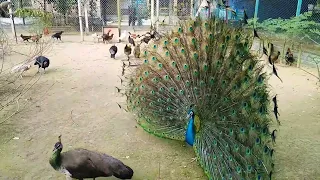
x,y
82,163
205,71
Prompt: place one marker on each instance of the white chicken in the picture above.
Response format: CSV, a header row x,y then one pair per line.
x,y
123,35
20,68
96,36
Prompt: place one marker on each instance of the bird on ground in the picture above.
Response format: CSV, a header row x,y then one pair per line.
x,y
202,85
123,35
127,50
137,50
57,35
82,163
113,51
42,62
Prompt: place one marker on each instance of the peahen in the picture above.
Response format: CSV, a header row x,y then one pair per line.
x,y
201,84
81,163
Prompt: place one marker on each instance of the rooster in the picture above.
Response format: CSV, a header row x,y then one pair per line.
x,y
107,37
25,38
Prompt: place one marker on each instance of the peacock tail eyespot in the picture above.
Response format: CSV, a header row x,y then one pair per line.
x,y
181,92
245,104
152,92
210,36
230,158
253,126
185,67
196,73
146,73
195,56
140,79
159,100
145,53
215,142
191,29
259,177
176,40
166,77
249,168
258,141
169,100
155,80
146,61
180,30
238,170
143,99
142,86
178,77
167,53
236,147
202,83
182,51
160,65
223,118
173,64
193,41
172,89
154,46
154,58
161,89
231,132
165,43
266,149
227,38
168,108
248,151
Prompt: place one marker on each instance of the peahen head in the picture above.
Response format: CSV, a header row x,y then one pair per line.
x,y
58,146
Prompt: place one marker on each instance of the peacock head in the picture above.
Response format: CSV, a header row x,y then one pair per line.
x,y
58,146
190,114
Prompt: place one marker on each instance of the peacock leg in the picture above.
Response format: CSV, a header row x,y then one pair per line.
x,y
194,159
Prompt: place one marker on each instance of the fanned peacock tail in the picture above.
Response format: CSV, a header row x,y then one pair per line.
x,y
207,66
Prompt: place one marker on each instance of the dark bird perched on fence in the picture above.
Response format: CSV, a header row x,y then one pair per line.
x,y
42,62
82,163
289,57
113,51
57,35
202,85
4,9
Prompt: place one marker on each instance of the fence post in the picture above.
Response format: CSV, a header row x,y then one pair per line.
x,y
299,56
80,19
256,9
298,7
158,9
191,10
152,12
86,17
119,18
13,27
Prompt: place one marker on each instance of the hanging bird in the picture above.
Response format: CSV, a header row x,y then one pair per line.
x,y
4,9
137,51
202,85
274,70
113,51
127,50
245,17
81,163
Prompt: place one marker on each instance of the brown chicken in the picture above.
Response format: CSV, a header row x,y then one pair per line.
x,y
36,38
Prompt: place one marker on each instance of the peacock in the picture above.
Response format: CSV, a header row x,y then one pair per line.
x,y
200,84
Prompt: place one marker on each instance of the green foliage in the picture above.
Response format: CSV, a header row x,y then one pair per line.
x,y
43,19
63,6
296,26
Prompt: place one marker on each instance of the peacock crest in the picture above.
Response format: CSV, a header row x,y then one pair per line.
x,y
204,70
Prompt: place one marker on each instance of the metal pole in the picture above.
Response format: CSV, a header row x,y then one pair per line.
x,y
227,11
119,18
152,12
86,17
191,8
80,20
298,7
13,27
256,12
158,9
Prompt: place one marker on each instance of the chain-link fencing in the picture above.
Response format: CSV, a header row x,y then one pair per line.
x,y
292,25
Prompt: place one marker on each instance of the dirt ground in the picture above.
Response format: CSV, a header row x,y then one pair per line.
x,y
77,98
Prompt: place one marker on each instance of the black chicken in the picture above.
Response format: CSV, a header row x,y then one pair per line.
x,y
57,35
127,50
289,57
130,40
113,51
42,62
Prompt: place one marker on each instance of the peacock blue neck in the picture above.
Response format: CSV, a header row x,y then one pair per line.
x,y
55,160
190,135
